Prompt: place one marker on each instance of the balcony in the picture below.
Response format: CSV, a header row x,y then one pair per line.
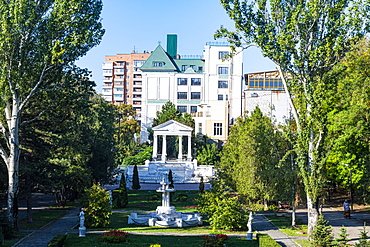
x,y
138,76
196,114
137,90
137,103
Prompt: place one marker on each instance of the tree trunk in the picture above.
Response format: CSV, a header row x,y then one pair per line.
x,y
313,214
13,159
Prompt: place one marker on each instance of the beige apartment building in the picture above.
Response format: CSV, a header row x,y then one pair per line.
x,y
123,79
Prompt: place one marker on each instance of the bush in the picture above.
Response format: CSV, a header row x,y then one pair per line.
x,y
322,235
266,241
58,241
135,179
214,240
181,198
114,236
155,245
97,206
224,209
1,237
7,229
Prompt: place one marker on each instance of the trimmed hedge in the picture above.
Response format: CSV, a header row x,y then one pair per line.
x,y
264,240
58,241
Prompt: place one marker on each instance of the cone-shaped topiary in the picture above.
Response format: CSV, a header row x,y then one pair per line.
x,y
135,179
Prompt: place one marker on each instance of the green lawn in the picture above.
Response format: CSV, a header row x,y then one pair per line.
x,y
284,223
41,218
147,240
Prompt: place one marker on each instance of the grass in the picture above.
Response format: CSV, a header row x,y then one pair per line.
x,y
284,223
147,240
41,218
141,200
18,236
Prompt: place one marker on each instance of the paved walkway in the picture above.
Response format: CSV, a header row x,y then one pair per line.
x,y
42,237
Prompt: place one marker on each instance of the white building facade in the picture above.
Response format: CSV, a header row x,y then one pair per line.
x,y
209,87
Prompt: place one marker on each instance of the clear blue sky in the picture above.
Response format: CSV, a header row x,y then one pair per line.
x,y
141,24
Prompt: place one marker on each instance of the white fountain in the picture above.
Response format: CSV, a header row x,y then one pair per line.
x,y
166,215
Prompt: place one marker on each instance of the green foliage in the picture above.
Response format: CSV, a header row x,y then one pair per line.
x,y
122,200
224,209
343,237
114,236
97,206
266,241
322,235
1,236
7,229
135,179
349,121
140,157
363,242
208,155
305,39
58,240
155,245
250,161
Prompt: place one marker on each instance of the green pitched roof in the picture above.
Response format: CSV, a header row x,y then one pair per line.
x,y
159,60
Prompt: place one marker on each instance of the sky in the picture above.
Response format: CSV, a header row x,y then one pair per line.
x,y
141,24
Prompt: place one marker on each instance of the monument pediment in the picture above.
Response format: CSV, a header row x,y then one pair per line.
x,y
172,127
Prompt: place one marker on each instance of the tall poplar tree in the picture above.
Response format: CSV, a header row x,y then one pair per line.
x,y
39,42
306,39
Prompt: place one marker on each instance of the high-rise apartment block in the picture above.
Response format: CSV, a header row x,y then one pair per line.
x,y
123,79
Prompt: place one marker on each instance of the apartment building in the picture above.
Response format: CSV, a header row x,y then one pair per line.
x,y
208,86
266,90
122,81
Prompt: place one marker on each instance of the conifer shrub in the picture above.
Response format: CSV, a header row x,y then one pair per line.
x,y
342,240
120,196
135,179
96,202
201,185
363,242
322,234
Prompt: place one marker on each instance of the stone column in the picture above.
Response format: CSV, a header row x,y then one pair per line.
x,y
164,148
180,149
155,148
189,147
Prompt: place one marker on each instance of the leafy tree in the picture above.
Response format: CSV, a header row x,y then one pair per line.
x,y
140,157
305,39
348,142
250,159
39,42
208,155
135,179
224,209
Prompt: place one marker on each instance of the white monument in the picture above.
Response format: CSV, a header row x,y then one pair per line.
x,y
82,228
185,169
166,215
250,232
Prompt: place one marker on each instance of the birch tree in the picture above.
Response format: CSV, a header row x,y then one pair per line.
x,y
39,42
304,38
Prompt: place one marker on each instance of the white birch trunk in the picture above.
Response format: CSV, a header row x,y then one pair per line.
x,y
313,214
13,159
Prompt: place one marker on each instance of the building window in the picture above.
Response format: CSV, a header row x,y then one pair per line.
x,y
107,71
223,70
119,89
217,129
200,68
182,108
220,97
182,81
195,95
158,64
183,67
200,128
193,108
193,67
118,95
223,54
105,90
138,63
195,81
120,76
223,84
182,95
